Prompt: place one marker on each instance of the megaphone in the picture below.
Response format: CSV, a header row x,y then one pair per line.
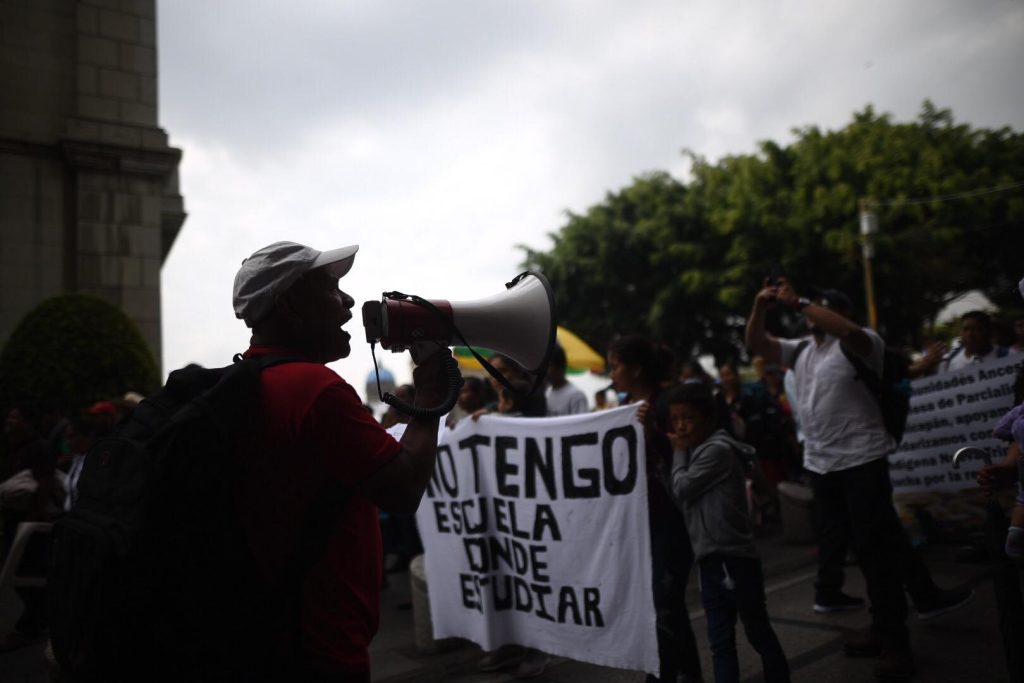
x,y
519,323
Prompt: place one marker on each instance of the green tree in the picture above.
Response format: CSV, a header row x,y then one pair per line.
x,y
681,262
75,349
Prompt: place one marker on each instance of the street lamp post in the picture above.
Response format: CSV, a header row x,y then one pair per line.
x,y
868,228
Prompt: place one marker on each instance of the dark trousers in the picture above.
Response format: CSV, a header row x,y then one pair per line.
x,y
917,578
739,593
672,558
855,506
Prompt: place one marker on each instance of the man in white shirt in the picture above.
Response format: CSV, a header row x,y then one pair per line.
x,y
845,449
563,398
976,343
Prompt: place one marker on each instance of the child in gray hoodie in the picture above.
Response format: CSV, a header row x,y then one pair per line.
x,y
708,479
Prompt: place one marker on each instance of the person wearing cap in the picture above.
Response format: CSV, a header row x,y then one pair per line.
x,y
314,428
845,449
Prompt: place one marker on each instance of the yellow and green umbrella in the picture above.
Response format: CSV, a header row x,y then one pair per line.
x,y
580,356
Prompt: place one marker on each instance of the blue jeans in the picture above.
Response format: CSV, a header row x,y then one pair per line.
x,y
739,593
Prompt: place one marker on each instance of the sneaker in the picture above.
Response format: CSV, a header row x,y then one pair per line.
x,y
895,665
863,643
836,602
533,664
943,601
504,657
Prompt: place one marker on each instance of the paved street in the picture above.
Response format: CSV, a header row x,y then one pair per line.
x,y
962,646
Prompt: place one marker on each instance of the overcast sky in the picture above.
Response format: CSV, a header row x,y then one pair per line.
x,y
438,135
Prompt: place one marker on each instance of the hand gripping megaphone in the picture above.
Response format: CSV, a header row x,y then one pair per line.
x,y
518,322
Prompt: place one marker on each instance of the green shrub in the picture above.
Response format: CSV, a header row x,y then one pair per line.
x,y
75,349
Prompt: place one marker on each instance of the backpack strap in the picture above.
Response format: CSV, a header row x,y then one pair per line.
x,y
863,372
319,522
799,349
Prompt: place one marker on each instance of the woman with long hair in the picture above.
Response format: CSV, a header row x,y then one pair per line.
x,y
639,369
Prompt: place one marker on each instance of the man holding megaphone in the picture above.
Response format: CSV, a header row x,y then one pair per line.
x,y
314,429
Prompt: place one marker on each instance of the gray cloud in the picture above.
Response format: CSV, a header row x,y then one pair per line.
x,y
439,134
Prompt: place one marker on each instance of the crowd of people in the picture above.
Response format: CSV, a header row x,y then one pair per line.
x,y
43,451
717,449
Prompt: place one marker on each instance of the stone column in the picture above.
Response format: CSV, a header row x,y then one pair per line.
x,y
89,197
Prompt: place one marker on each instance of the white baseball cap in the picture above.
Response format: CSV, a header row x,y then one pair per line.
x,y
273,269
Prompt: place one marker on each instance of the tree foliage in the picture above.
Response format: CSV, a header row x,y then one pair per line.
x,y
681,261
73,350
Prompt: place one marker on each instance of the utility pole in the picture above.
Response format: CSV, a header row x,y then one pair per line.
x,y
868,228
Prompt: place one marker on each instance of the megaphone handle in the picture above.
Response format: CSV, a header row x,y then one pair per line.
x,y
454,378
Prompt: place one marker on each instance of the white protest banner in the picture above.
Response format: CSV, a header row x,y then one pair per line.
x,y
535,532
947,412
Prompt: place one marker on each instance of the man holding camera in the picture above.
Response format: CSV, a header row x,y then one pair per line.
x,y
314,429
846,445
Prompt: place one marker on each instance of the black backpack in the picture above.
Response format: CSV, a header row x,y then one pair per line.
x,y
891,390
151,577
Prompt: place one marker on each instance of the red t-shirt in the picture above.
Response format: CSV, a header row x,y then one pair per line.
x,y
313,425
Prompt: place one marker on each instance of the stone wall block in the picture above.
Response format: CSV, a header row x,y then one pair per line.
x,y
87,19
97,51
128,136
22,272
44,20
119,26
138,114
110,271
94,207
120,85
18,253
18,210
20,300
51,280
152,207
21,36
88,80
145,241
141,304
127,208
50,214
148,93
103,4
92,238
48,257
16,58
80,129
154,138
19,123
97,182
137,59
97,108
150,272
131,271
151,330
120,239
147,32
16,177
140,8
88,270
